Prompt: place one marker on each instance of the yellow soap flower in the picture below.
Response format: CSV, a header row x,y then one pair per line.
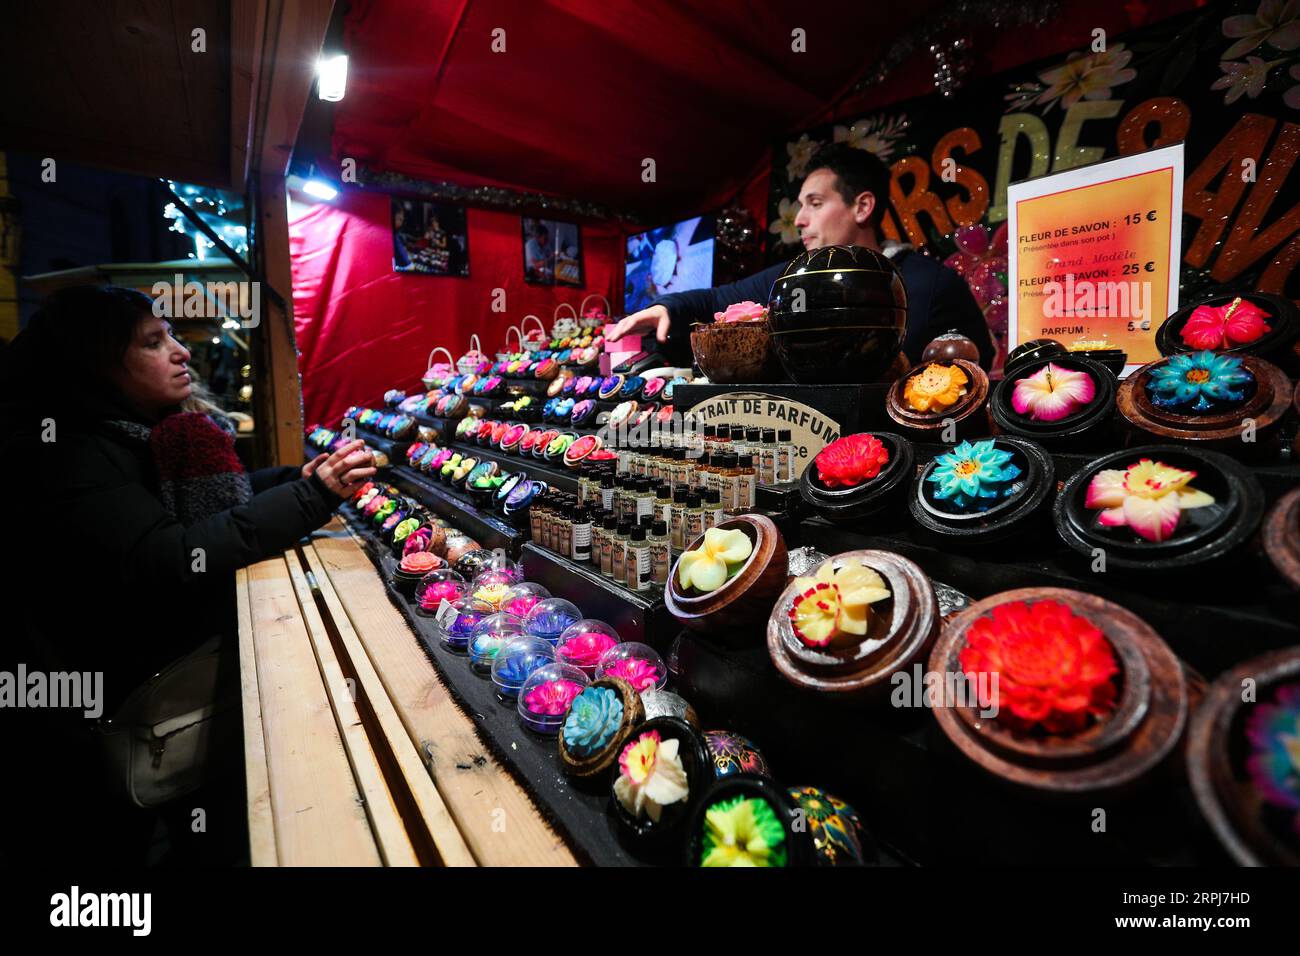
x,y
936,388
707,567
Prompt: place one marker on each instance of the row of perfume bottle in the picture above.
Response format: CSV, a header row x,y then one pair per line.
x,y
679,460
634,548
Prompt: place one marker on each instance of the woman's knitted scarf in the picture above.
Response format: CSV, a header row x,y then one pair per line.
x,y
199,474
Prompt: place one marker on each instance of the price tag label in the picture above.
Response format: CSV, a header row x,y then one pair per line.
x,y
1094,254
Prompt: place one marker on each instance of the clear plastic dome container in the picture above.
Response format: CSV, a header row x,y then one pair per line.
x,y
516,662
546,695
456,620
490,635
551,617
583,644
522,598
473,563
505,574
638,664
440,584
492,586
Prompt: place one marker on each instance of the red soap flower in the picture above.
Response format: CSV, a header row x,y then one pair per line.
x,y
851,460
1226,326
1054,668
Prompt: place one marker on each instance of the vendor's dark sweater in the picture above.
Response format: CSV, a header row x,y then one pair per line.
x,y
938,301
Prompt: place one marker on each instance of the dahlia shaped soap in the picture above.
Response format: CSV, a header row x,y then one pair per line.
x,y
1054,669
851,460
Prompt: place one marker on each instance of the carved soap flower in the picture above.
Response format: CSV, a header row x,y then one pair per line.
x,y
835,603
1054,668
743,831
650,776
1274,763
493,594
851,460
936,388
1053,392
638,672
1198,381
719,556
1148,497
552,697
742,312
593,720
973,474
586,649
1225,326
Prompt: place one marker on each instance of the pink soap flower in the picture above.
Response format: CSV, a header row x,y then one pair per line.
x,y
742,312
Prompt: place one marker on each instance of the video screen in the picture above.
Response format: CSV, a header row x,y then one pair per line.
x,y
668,259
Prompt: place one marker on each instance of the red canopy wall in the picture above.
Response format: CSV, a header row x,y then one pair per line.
x,y
363,328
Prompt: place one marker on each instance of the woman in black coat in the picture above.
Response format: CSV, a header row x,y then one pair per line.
x,y
125,556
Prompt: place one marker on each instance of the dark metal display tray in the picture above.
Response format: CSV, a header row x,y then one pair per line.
x,y
487,529
578,809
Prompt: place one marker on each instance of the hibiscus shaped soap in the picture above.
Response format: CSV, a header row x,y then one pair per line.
x,y
1148,497
1225,327
1052,393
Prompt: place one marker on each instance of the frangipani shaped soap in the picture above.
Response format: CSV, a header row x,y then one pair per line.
x,y
719,555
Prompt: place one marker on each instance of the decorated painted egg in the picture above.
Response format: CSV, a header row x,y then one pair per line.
x,y
733,753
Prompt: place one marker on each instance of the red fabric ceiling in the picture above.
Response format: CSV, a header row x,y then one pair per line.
x,y
587,89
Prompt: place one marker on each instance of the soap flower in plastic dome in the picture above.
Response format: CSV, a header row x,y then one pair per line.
x,y
971,472
523,597
550,618
1053,393
1198,381
742,312
584,643
1226,326
721,554
552,697
1149,497
638,664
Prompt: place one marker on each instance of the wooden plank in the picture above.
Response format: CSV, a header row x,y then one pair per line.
x,y
247,34
319,818
496,817
261,825
385,822
432,812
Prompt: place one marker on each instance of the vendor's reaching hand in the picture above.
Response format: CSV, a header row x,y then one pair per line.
x,y
655,317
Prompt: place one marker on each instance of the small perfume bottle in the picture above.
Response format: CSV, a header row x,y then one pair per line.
x,y
580,550
677,520
608,537
664,503
638,560
767,457
694,519
621,538
746,481
661,557
564,528
784,456
713,513
607,486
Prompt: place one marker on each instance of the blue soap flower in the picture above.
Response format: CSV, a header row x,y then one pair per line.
x,y
971,472
594,718
1198,381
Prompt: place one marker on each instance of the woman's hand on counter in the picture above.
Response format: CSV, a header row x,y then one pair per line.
x,y
654,318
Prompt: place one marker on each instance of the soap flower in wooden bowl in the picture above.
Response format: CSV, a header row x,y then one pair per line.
x,y
742,312
1053,392
973,472
743,831
935,388
720,555
1198,382
851,460
1149,497
650,776
1273,730
835,603
1055,669
1226,326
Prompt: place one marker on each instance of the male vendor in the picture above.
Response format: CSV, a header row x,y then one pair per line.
x,y
842,202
